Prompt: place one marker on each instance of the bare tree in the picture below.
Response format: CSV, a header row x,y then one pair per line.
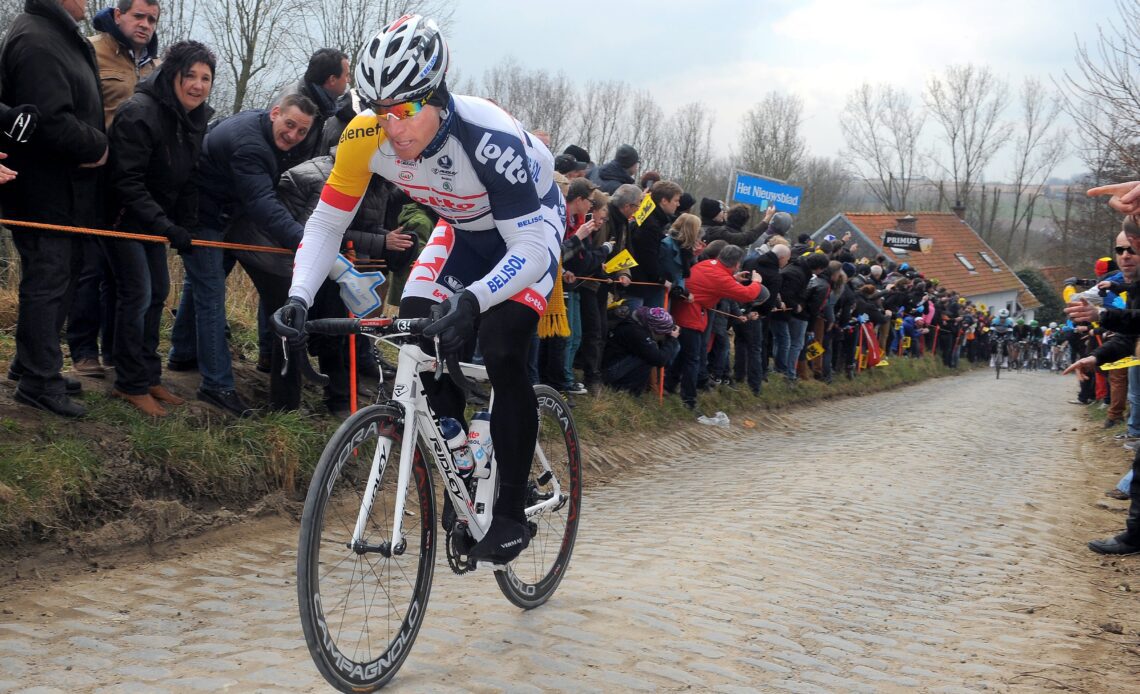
x,y
1039,146
250,37
347,24
770,142
176,22
1103,94
539,100
826,185
882,131
601,117
687,159
646,129
968,102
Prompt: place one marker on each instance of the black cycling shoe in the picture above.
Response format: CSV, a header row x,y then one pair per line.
x,y
504,541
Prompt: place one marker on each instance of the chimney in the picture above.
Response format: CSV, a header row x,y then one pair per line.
x,y
907,224
959,209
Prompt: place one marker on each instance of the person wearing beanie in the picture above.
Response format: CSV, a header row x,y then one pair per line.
x,y
570,167
640,341
733,229
712,212
687,202
618,171
649,178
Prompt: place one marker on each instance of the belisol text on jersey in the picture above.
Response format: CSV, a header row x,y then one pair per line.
x,y
510,267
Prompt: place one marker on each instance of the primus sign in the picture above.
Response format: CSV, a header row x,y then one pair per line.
x,y
752,189
905,242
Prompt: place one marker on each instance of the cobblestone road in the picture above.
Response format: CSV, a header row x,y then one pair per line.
x,y
897,559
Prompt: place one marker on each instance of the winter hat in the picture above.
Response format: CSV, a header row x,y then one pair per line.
x,y
1104,266
686,203
578,153
565,163
710,208
656,319
627,156
849,269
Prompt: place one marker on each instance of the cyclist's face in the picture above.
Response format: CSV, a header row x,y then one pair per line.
x,y
410,136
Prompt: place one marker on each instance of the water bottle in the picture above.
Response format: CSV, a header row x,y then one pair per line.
x,y
456,440
479,443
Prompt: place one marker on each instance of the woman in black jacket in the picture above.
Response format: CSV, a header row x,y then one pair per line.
x,y
156,139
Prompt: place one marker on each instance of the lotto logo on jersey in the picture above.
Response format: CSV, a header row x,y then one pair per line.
x,y
507,162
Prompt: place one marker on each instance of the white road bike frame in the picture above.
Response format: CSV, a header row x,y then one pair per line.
x,y
419,420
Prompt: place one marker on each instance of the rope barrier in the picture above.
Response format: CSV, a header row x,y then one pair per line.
x,y
144,237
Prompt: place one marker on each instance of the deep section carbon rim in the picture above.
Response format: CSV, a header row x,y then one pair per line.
x,y
532,578
361,611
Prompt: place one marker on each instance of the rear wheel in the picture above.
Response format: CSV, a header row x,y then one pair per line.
x,y
361,610
556,472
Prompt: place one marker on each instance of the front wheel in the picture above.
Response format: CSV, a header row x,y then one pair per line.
x,y
362,608
555,475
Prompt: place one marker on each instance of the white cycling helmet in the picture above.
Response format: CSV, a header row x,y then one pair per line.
x,y
1004,313
1053,325
406,61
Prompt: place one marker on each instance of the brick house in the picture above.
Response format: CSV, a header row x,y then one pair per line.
x,y
958,258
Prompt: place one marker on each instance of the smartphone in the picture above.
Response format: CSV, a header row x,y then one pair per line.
x,y
589,217
763,205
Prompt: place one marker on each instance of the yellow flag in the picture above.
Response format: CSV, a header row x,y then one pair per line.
x,y
1121,364
646,209
906,343
814,350
882,362
621,261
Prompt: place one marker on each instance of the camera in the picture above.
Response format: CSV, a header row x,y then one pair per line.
x,y
1080,283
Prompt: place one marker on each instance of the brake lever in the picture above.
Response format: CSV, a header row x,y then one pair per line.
x,y
438,359
299,355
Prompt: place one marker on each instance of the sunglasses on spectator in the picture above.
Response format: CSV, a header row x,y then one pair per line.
x,y
1121,250
401,111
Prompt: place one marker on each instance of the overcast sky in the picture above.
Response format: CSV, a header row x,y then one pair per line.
x,y
728,54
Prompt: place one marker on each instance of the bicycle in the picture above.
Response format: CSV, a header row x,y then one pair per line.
x,y
366,552
1000,353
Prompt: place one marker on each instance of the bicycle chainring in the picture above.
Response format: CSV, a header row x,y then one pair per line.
x,y
458,542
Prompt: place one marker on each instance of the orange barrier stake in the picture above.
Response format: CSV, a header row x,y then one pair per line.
x,y
859,352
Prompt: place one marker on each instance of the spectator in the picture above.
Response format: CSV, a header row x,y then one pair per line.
x,y
59,183
733,228
614,231
583,156
648,179
751,361
299,191
640,341
789,324
709,282
678,252
580,258
325,81
645,246
570,167
712,215
126,50
156,139
618,171
237,177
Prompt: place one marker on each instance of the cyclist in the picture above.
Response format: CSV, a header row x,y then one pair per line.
x,y
1002,328
492,257
1033,356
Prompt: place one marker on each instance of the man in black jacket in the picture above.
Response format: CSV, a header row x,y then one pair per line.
x,y
751,361
59,183
237,180
733,229
324,83
645,246
640,341
789,325
618,171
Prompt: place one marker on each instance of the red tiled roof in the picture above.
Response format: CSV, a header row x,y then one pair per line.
x,y
950,235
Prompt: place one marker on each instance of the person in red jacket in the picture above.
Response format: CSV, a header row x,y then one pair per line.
x,y
709,282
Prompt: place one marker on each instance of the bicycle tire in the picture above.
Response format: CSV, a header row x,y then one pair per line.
x,y
340,592
532,578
